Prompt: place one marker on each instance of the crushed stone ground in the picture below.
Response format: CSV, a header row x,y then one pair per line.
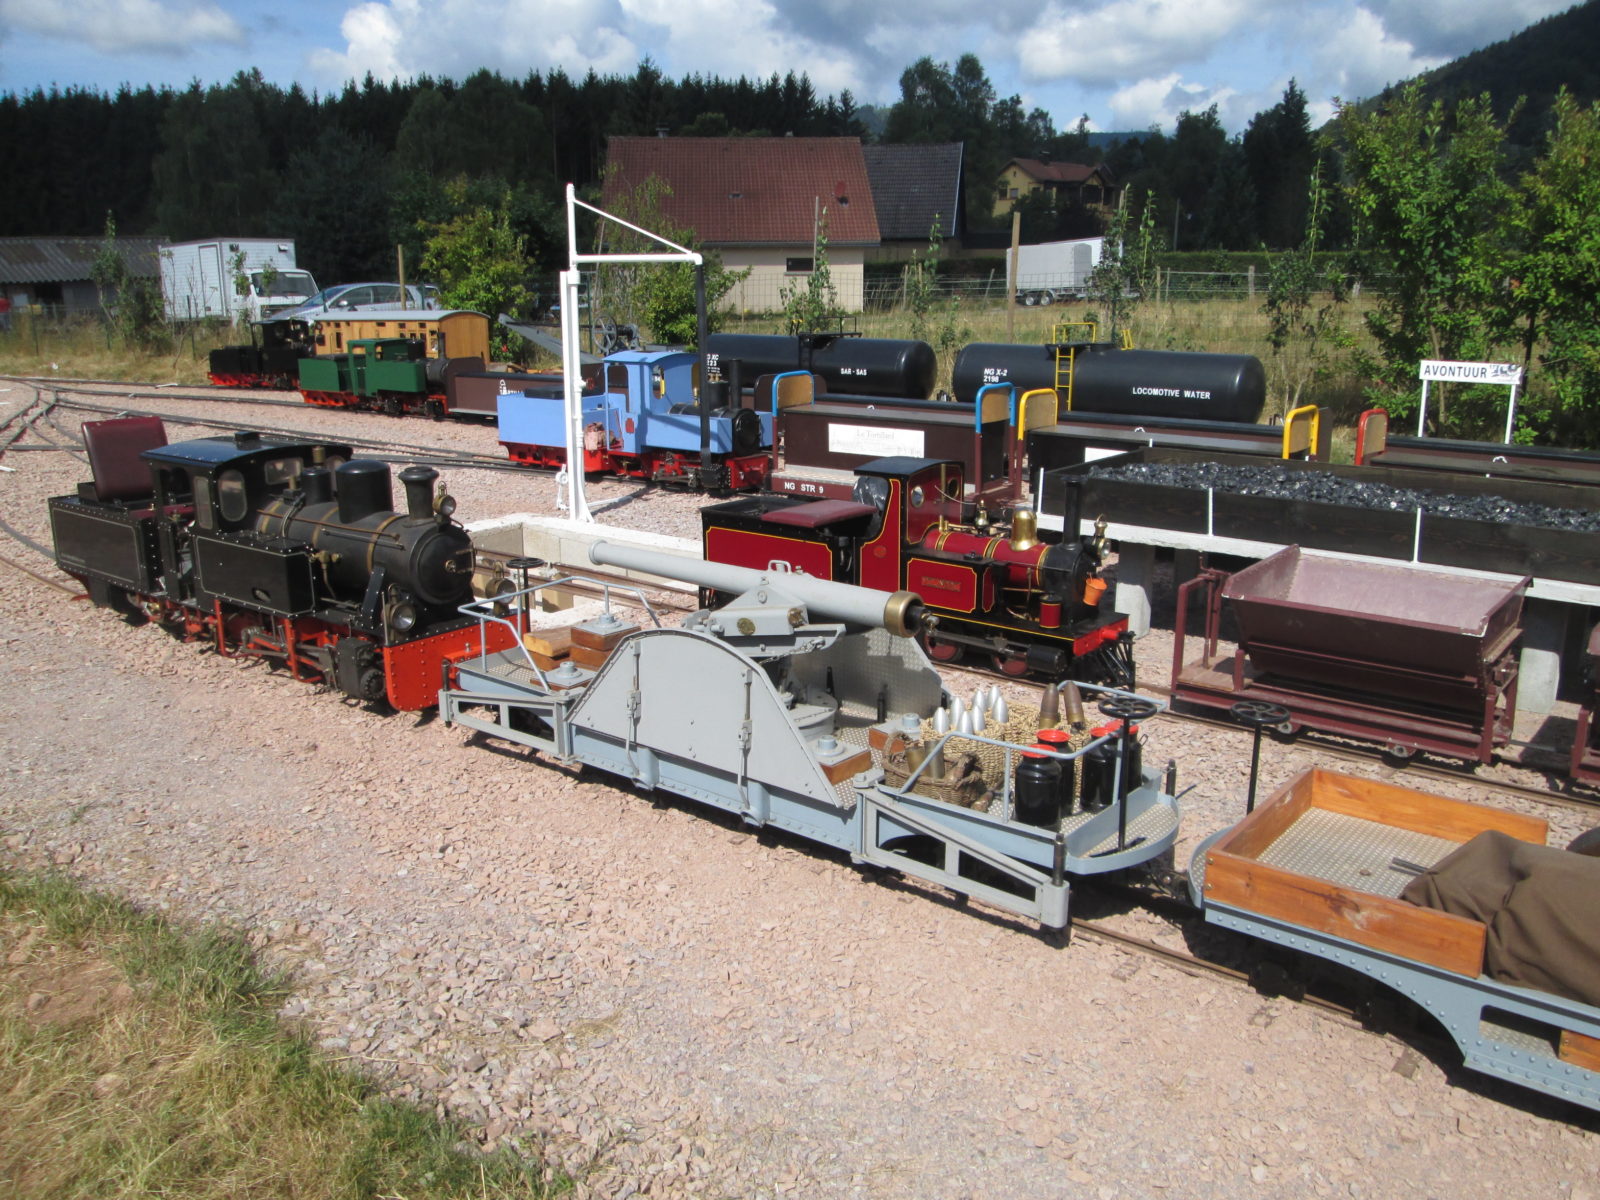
x,y
669,1005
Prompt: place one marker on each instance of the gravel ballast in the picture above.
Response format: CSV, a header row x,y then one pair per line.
x,y
666,1004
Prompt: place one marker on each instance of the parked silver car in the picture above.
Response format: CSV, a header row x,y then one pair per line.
x,y
358,297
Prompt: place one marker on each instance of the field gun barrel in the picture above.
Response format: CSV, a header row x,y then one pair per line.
x,y
901,613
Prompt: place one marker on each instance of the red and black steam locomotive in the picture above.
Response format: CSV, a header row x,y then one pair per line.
x,y
285,550
994,589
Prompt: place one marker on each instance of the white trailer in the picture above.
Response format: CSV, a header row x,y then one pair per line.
x,y
233,279
1054,271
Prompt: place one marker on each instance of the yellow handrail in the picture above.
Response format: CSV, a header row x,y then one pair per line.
x,y
1048,404
1306,415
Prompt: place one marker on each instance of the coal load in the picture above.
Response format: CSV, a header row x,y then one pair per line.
x,y
1280,483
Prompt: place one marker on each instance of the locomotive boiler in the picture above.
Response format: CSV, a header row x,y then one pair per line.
x,y
274,548
994,589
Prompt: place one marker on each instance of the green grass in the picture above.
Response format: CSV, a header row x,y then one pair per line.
x,y
80,348
144,1060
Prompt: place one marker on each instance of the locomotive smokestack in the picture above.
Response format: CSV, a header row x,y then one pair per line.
x,y
418,482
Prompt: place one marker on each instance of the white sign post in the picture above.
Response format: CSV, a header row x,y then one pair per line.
x,y
572,380
1440,371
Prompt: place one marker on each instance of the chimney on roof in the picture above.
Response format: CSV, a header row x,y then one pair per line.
x,y
661,131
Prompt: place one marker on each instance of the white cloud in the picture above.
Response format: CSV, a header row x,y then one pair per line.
x,y
372,43
1160,100
122,26
1126,40
453,38
730,38
1360,57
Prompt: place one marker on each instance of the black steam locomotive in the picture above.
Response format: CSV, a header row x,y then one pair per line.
x,y
279,549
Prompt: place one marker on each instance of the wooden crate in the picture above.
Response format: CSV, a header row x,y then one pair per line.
x,y
1239,871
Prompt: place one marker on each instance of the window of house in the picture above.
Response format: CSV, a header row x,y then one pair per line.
x,y
799,266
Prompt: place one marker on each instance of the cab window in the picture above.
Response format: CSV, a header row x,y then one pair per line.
x,y
280,471
232,499
205,514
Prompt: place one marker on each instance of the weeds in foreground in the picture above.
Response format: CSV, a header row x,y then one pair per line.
x,y
144,1061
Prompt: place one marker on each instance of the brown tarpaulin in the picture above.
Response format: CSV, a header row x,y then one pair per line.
x,y
1542,907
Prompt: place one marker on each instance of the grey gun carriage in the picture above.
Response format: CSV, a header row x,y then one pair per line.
x,y
806,695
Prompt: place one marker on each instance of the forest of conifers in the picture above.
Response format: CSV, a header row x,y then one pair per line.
x,y
352,174
349,175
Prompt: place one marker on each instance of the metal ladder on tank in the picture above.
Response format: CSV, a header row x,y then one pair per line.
x,y
1066,350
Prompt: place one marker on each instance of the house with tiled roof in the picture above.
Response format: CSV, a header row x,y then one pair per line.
x,y
57,272
914,186
759,203
1070,183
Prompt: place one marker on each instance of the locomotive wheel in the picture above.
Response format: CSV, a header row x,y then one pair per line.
x,y
938,649
391,406
1013,665
130,610
434,409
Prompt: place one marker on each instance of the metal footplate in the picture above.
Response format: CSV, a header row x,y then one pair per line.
x,y
883,821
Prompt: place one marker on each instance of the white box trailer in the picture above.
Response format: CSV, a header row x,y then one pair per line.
x,y
232,279
1054,271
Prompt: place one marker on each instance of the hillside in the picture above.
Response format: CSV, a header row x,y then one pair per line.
x,y
1562,50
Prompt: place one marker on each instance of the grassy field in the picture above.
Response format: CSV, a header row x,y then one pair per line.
x,y
82,349
143,1060
1211,326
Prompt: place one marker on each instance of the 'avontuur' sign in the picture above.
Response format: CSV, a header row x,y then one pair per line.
x,y
1435,370
1441,371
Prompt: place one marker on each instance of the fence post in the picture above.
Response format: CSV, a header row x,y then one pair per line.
x,y
1251,280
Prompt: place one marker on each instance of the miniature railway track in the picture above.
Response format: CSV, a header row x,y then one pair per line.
x,y
1182,960
200,393
1345,752
433,455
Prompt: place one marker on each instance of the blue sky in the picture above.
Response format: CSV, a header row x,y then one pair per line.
x,y
1127,64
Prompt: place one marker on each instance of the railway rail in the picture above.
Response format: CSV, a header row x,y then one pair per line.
x,y
1413,768
111,387
431,455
